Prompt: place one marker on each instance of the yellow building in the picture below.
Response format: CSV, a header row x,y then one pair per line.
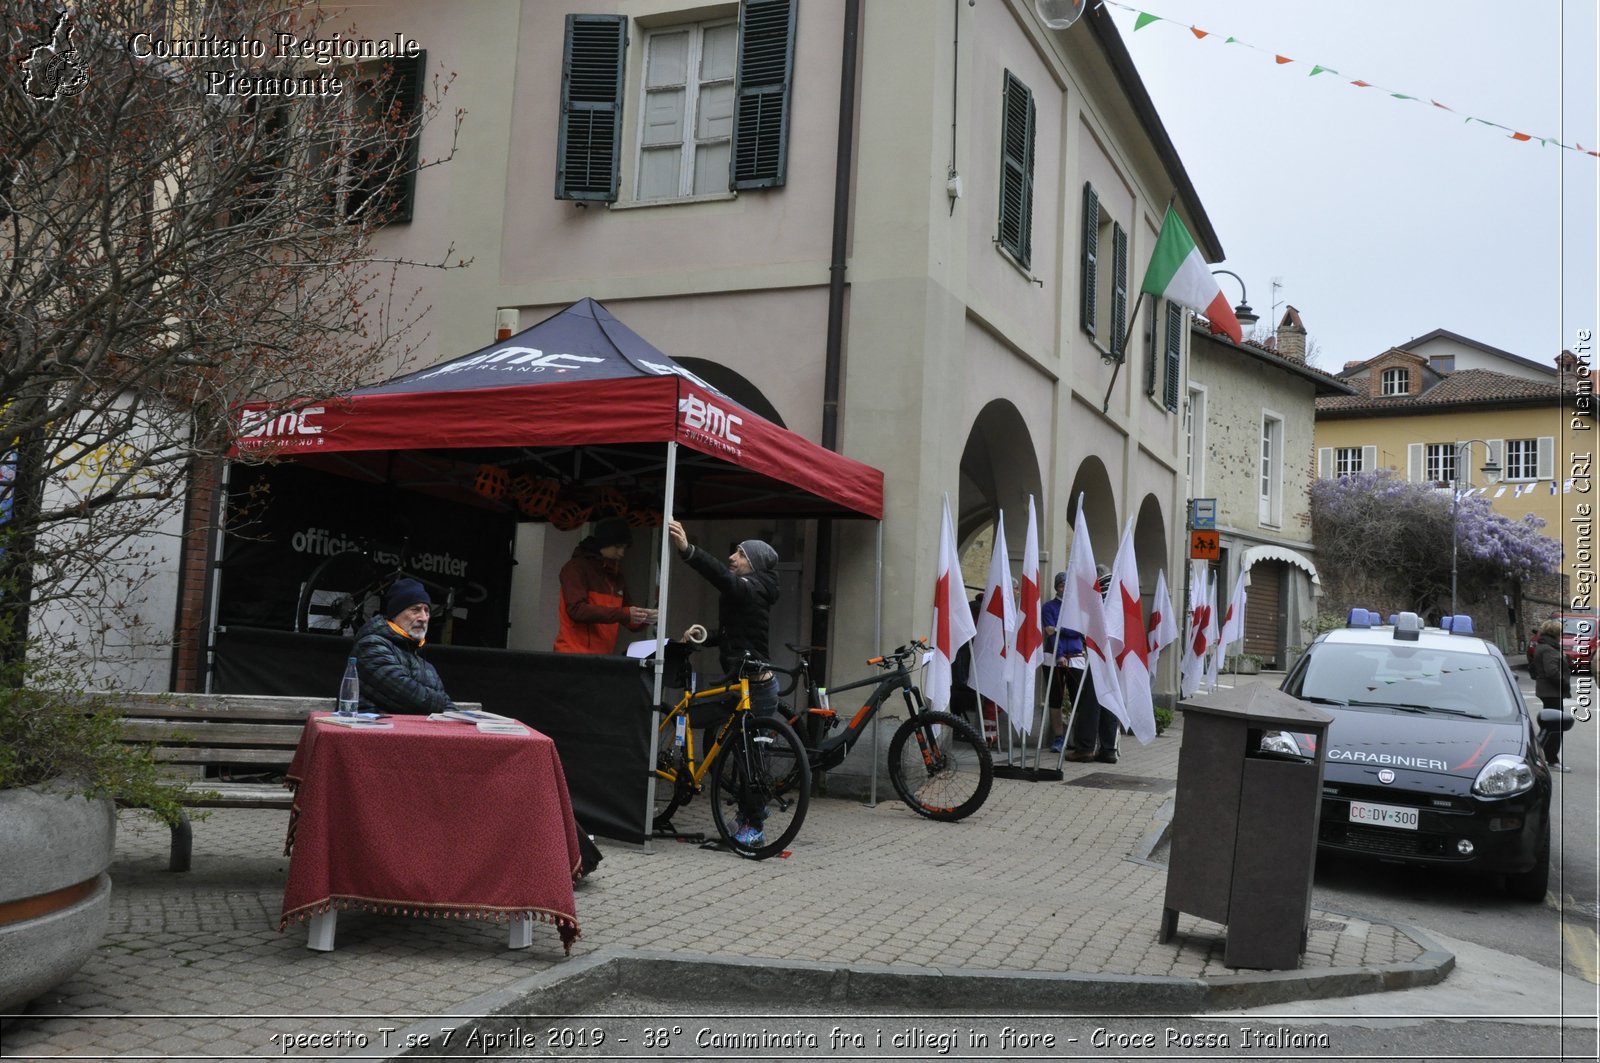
x,y
1418,412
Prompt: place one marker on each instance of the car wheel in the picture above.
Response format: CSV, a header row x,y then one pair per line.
x,y
1533,884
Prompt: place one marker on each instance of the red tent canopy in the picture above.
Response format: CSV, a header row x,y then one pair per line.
x,y
580,396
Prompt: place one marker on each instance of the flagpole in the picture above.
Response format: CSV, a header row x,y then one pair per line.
x,y
1116,364
1067,734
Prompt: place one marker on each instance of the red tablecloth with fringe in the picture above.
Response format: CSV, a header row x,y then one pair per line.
x,y
430,818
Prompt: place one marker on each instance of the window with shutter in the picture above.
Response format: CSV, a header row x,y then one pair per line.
x,y
760,156
1016,170
1174,352
1091,255
590,138
1154,354
687,111
380,182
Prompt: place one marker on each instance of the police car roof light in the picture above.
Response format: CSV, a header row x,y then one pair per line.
x,y
1359,617
1407,628
1394,618
1461,625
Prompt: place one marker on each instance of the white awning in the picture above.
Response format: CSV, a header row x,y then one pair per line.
x,y
1269,552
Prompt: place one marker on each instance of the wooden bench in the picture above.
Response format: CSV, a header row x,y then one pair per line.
x,y
256,733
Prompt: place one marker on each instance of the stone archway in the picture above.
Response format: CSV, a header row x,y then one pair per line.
x,y
1093,483
999,470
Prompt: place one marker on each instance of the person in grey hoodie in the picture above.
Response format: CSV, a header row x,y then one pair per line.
x,y
748,588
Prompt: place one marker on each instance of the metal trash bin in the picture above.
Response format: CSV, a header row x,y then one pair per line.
x,y
1244,828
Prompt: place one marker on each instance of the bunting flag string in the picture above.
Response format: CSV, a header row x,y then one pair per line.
x,y
1145,18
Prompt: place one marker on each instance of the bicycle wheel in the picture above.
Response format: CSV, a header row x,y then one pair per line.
x,y
760,779
939,766
340,595
672,778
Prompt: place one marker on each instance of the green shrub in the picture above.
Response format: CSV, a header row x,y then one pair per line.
x,y
1163,718
50,732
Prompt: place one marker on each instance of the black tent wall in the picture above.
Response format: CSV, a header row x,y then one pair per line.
x,y
596,708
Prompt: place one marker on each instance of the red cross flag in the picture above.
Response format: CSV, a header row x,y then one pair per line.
x,y
952,619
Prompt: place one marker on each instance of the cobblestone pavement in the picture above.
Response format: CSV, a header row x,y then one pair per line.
x,y
1045,878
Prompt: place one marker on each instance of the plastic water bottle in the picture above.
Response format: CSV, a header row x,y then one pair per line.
x,y
680,730
350,690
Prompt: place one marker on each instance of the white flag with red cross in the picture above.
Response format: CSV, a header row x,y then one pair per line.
x,y
952,619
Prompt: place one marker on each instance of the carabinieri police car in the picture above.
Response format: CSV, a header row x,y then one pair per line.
x,y
1432,756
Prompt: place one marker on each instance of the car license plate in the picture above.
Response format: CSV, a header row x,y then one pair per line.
x,y
1383,815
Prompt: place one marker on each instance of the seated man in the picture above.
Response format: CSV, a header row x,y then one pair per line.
x,y
394,677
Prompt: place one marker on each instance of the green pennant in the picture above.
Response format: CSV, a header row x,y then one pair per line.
x,y
1401,96
1144,19
1318,69
1231,40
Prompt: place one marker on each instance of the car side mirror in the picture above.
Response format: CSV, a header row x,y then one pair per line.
x,y
1555,719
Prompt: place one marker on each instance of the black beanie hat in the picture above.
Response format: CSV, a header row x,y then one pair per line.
x,y
402,596
613,531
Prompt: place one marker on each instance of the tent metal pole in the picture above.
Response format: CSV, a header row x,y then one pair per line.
x,y
877,640
664,559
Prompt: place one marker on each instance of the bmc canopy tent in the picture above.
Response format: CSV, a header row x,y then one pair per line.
x,y
583,398
579,399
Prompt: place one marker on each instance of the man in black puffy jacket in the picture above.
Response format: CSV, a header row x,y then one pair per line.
x,y
394,677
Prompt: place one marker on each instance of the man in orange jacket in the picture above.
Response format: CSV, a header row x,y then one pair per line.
x,y
594,598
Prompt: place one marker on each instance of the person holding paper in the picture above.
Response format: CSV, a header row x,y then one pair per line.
x,y
394,677
594,597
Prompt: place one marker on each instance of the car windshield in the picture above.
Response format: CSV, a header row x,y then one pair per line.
x,y
1405,676
1577,625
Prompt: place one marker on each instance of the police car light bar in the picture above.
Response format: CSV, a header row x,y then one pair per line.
x,y
1360,617
1407,627
1457,625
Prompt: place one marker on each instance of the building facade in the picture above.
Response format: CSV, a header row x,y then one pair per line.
x,y
1251,423
910,231
1444,427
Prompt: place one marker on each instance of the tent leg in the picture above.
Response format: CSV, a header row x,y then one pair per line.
x,y
664,560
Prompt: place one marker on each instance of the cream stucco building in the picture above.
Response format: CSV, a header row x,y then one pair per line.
x,y
932,278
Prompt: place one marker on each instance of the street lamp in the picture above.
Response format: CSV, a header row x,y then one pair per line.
x,y
1490,470
1247,317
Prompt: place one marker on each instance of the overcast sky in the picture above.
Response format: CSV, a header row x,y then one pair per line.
x,y
1383,219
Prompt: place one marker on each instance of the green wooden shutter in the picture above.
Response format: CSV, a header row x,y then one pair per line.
x,y
1174,353
1119,290
382,184
407,86
760,153
590,144
1016,169
1091,253
1153,349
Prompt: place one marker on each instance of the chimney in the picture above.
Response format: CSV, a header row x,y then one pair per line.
x,y
1292,336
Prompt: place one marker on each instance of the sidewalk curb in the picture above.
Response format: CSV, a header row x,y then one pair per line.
x,y
681,981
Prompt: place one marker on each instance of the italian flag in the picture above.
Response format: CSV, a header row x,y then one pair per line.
x,y
1177,272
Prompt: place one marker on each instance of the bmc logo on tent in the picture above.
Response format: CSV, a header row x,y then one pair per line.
x,y
701,416
518,359
255,424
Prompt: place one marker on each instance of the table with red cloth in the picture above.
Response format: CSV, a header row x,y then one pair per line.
x,y
430,818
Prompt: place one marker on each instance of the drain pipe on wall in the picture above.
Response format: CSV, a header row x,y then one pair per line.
x,y
821,592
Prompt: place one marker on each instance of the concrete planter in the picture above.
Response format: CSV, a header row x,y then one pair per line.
x,y
55,895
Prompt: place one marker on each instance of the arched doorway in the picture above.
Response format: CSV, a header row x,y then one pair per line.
x,y
1093,484
999,470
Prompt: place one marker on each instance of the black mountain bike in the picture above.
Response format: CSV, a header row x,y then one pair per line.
x,y
346,590
938,764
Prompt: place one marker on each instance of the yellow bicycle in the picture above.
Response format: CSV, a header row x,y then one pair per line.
x,y
753,762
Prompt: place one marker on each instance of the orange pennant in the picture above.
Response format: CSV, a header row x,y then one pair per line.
x,y
1199,33
1362,84
1520,136
1282,59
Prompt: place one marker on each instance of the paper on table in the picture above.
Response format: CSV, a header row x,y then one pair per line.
x,y
499,727
357,722
642,648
